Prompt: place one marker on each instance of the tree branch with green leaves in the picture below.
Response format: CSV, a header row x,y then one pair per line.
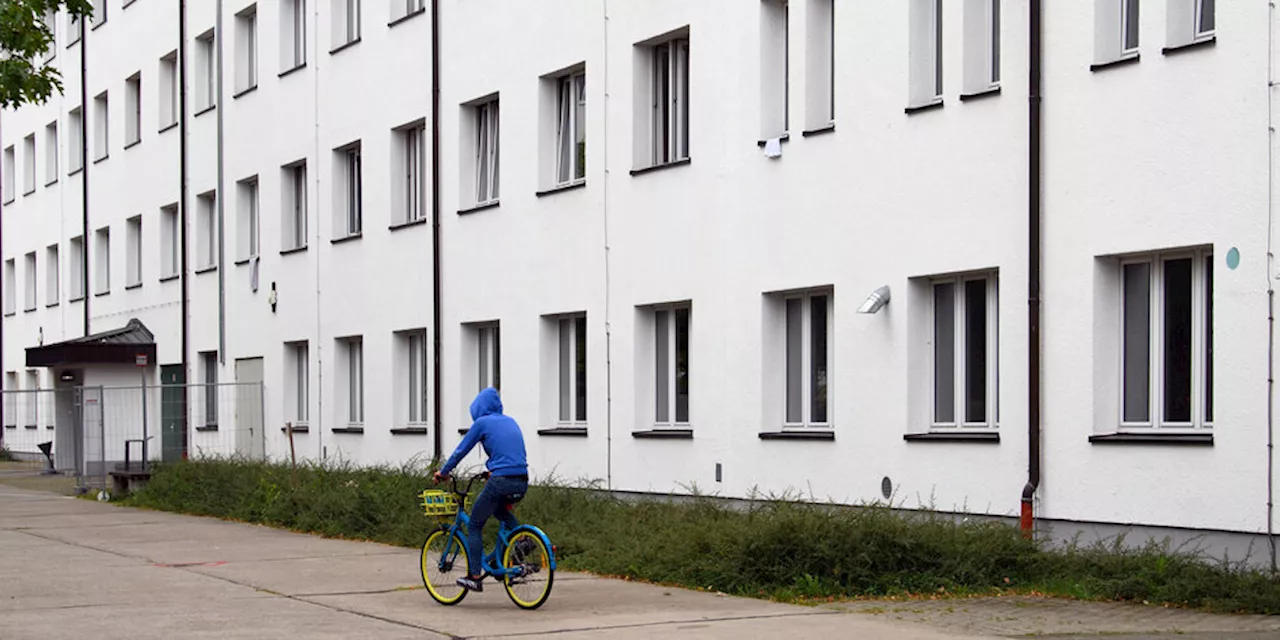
x,y
25,38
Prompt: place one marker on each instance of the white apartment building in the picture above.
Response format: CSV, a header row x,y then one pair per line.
x,y
652,224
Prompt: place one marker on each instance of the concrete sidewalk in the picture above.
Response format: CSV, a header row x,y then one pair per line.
x,y
75,568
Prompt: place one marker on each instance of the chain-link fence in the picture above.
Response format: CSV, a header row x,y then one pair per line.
x,y
28,432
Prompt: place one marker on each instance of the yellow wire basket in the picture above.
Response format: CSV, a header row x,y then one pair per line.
x,y
439,504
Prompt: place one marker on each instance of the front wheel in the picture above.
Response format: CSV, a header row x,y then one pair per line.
x,y
444,560
529,585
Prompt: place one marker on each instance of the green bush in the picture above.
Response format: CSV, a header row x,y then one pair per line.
x,y
780,549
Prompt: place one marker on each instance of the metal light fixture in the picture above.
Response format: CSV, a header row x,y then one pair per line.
x,y
876,301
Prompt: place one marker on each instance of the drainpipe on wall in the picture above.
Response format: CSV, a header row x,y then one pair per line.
x,y
608,328
1271,292
221,198
182,222
84,164
1033,298
435,230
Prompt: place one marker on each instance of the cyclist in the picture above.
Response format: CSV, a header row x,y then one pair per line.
x,y
503,442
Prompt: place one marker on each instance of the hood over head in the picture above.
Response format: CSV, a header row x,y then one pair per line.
x,y
487,402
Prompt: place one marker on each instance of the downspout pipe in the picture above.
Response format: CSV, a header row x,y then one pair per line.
x,y
84,166
182,222
221,198
436,315
1027,520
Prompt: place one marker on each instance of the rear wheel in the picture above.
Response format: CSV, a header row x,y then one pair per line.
x,y
530,585
444,560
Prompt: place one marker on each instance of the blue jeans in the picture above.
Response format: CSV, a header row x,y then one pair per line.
x,y
499,493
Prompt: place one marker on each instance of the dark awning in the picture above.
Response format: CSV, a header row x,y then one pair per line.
x,y
117,346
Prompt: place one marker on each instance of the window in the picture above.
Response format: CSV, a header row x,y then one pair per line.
x,y
485,151
666,98
293,39
75,142
32,400
1190,21
1206,21
300,382
404,8
797,358
571,135
411,377
820,64
408,179
52,267
207,230
101,127
167,99
671,366
50,21
1117,27
1130,25
489,357
775,62
102,248
29,281
133,110
346,22
295,206
965,339
134,245
981,45
206,80
75,29
10,174
926,52
352,350
572,362
349,196
170,241
10,287
247,49
29,164
247,225
1167,340
51,153
11,400
78,258
209,380
99,13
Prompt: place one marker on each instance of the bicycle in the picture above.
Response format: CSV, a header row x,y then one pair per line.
x,y
526,552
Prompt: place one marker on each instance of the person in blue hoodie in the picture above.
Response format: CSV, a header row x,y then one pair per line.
x,y
503,442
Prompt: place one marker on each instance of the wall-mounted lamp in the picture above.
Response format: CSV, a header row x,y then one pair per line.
x,y
876,301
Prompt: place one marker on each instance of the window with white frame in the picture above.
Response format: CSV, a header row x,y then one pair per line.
x,y
29,164
10,287
412,390
77,268
206,81
663,93
10,174
247,223
571,122
404,8
820,64
170,241
981,45
50,20
352,350
484,119
1206,20
29,281
346,22
571,368
31,412
11,400
99,13
489,357
348,192
52,269
133,265
1190,21
209,382
408,179
51,153
294,206
101,127
75,141
926,52
1117,27
299,383
293,34
247,49
1130,25
75,29
775,71
965,342
133,110
1167,340
207,231
671,366
167,98
102,250
807,353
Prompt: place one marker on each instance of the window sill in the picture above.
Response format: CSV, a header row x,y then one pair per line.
x,y
579,184
26,193
355,430
786,137
292,69
51,305
297,428
171,125
95,25
29,309
51,183
11,426
664,434
480,207
818,131
99,294
207,428
408,16
580,432
992,437
243,261
10,200
661,167
463,431
169,278
979,95
208,269
31,427
285,252
73,43
72,300
824,434
244,92
102,158
204,111
1120,62
412,223
75,171
409,431
136,285
133,144
1210,41
354,236
344,46
1183,439
928,106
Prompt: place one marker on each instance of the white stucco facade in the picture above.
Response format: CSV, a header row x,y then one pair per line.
x,y
1146,151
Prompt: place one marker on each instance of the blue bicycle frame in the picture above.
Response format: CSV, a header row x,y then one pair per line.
x,y
491,563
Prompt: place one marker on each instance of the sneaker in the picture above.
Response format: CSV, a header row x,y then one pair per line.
x,y
471,584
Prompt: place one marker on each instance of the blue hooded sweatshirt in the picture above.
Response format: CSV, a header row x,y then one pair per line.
x,y
498,434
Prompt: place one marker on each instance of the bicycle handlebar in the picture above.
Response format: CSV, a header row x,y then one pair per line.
x,y
453,480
